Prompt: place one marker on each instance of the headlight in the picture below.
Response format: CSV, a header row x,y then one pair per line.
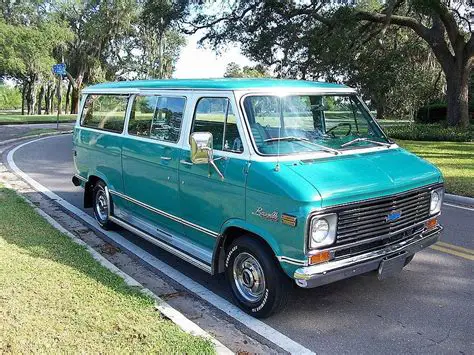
x,y
436,200
322,230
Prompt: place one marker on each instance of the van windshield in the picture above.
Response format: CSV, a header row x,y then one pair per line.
x,y
306,123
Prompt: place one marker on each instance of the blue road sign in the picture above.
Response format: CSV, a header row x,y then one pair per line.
x,y
59,69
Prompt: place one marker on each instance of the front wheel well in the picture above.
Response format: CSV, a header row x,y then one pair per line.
x,y
88,190
226,239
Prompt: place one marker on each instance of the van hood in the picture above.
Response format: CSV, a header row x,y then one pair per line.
x,y
351,178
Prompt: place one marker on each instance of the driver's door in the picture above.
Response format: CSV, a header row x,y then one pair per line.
x,y
206,199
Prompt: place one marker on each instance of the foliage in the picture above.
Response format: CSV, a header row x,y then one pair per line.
x,y
233,70
299,39
28,50
429,132
97,40
10,98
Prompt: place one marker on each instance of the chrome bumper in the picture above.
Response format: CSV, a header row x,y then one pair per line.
x,y
321,274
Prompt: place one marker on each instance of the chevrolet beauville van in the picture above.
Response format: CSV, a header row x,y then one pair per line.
x,y
273,182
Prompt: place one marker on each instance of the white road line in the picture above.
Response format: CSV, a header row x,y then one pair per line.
x,y
254,324
461,207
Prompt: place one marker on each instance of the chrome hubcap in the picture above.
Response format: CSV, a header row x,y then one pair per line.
x,y
101,205
249,277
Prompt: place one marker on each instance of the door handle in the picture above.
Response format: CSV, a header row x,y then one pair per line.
x,y
165,158
185,162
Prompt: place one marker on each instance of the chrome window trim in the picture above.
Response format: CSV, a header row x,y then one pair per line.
x,y
229,103
125,117
197,95
100,131
165,214
335,208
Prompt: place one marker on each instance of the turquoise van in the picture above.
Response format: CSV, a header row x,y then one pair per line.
x,y
275,183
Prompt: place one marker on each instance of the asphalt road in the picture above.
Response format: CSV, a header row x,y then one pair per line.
x,y
428,308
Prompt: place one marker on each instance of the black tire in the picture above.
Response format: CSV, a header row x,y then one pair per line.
x,y
100,196
408,260
270,297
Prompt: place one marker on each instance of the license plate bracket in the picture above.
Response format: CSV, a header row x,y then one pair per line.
x,y
391,266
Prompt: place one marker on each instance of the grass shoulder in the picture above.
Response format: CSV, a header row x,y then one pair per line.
x,y
14,118
54,297
454,159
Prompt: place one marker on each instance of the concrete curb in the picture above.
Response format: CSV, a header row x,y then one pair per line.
x,y
459,199
162,306
14,140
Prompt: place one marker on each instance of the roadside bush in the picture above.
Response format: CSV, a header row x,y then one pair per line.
x,y
432,113
429,132
10,98
436,112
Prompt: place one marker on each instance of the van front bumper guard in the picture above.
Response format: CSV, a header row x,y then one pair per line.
x,y
321,274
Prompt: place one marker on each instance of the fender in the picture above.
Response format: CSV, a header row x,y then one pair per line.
x,y
218,255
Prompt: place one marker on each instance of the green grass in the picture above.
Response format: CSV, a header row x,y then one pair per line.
x,y
13,118
456,161
55,298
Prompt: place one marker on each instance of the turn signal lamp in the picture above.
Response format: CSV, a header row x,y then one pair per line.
x,y
431,224
320,257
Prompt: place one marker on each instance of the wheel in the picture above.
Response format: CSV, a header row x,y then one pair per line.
x,y
257,283
102,205
408,260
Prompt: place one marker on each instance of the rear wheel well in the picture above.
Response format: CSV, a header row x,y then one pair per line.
x,y
229,235
88,190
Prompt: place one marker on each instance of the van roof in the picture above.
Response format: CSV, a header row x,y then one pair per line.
x,y
218,84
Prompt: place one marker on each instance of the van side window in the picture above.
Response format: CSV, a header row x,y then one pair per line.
x,y
105,112
157,117
215,115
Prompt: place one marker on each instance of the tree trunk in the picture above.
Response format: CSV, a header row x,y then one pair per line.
x,y
75,93
23,97
47,100
29,98
68,97
51,99
40,99
380,111
457,80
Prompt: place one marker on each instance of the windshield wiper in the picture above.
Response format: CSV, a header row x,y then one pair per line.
x,y
306,140
365,140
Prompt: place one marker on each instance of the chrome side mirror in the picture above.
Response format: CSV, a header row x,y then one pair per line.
x,y
202,151
201,147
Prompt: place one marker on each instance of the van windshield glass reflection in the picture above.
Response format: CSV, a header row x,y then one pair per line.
x,y
306,123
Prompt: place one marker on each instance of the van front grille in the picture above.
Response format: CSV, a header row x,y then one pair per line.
x,y
382,217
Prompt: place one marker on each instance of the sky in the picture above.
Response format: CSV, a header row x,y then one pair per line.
x,y
197,62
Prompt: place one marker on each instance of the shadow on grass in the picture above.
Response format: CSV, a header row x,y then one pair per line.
x,y
20,225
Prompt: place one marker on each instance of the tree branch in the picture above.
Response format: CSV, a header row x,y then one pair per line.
x,y
404,21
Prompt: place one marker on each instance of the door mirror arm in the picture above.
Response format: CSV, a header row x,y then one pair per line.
x,y
202,151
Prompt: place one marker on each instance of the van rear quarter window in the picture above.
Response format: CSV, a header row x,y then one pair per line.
x,y
105,112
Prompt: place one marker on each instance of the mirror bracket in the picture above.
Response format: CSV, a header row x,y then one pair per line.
x,y
202,152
